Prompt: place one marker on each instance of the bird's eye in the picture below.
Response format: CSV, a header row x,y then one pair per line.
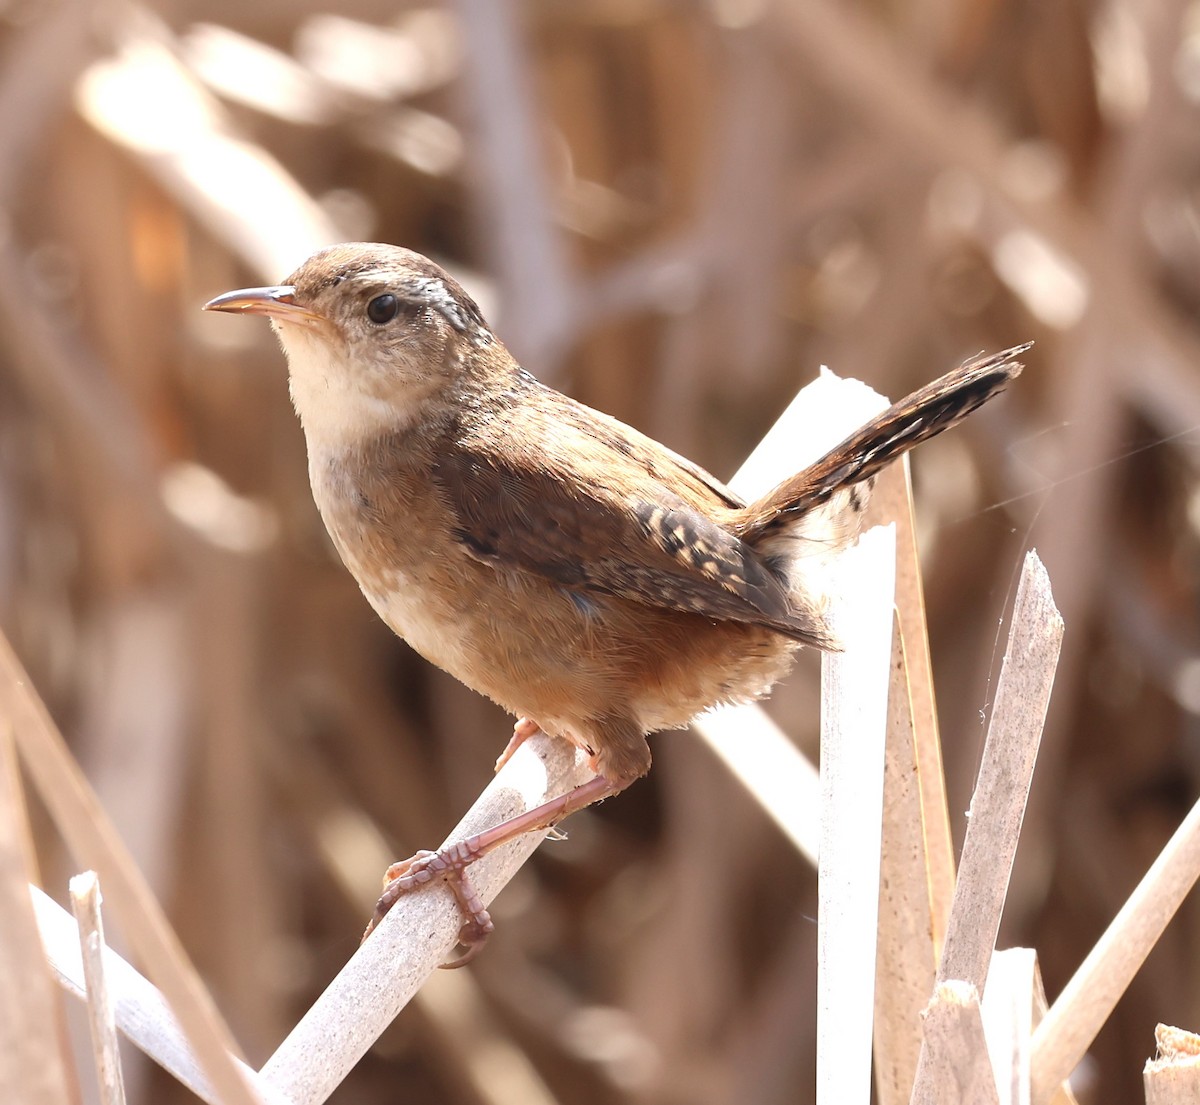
x,y
383,308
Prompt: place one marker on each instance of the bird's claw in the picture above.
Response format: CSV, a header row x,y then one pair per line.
x,y
423,868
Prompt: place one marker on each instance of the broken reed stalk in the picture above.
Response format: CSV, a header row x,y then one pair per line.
x,y
1172,1077
85,903
955,1048
1005,776
997,810
854,710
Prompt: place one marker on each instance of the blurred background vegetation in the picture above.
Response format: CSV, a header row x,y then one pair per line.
x,y
675,211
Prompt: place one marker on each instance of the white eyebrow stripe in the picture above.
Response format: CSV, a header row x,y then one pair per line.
x,y
465,317
434,291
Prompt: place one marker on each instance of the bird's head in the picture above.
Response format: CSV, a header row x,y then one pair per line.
x,y
372,334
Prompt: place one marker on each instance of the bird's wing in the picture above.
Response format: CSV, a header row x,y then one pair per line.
x,y
583,503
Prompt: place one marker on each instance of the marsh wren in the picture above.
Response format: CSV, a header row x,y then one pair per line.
x,y
585,577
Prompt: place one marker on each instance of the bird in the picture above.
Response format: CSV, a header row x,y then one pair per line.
x,y
597,585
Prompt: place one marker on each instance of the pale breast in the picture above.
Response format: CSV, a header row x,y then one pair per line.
x,y
384,535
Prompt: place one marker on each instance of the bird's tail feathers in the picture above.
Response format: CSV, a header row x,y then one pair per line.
x,y
844,471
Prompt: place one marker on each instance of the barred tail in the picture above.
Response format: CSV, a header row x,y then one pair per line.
x,y
924,414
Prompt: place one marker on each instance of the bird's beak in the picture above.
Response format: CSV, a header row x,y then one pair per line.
x,y
276,303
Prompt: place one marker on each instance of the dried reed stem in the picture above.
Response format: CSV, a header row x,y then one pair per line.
x,y
912,701
765,760
85,904
1173,1076
1005,776
960,1072
1009,1010
854,700
998,804
906,965
1089,998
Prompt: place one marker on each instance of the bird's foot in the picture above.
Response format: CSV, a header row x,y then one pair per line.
x,y
450,864
452,861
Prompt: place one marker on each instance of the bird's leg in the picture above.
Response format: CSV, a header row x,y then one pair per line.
x,y
524,729
451,862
